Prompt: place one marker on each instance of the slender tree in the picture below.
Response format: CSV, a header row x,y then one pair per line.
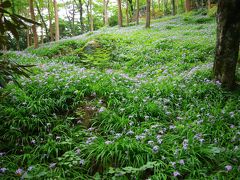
x,y
105,12
119,13
91,15
148,14
173,8
137,17
209,4
88,13
188,5
159,5
35,36
153,10
81,16
42,19
50,20
127,13
227,46
165,5
56,20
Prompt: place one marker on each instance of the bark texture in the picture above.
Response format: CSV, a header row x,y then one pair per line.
x,y
119,13
81,15
227,46
148,15
35,36
188,5
105,4
127,17
56,20
91,16
173,8
209,4
137,18
50,21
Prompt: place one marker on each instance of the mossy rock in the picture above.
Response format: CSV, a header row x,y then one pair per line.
x,y
93,53
91,46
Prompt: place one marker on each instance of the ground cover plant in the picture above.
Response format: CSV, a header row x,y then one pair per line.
x,y
129,103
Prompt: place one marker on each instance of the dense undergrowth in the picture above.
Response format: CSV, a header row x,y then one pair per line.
x,y
124,103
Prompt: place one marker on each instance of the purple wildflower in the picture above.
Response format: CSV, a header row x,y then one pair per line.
x,y
30,168
19,171
81,162
176,173
228,168
52,165
185,144
108,142
155,149
3,170
181,161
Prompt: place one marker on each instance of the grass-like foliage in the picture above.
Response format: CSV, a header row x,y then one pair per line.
x,y
124,103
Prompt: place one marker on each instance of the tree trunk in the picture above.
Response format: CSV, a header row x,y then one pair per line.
x,y
130,2
119,13
137,18
88,14
165,7
188,5
28,37
56,20
173,8
33,26
50,21
91,16
127,17
41,17
209,4
153,11
73,19
42,34
227,46
81,16
148,16
105,12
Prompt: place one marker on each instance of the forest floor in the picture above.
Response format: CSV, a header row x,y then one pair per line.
x,y
129,103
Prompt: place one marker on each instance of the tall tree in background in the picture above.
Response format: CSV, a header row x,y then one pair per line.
x,y
50,20
35,36
80,7
91,15
228,37
159,5
173,8
188,5
70,13
105,12
127,13
137,17
38,5
119,13
153,11
56,20
165,5
209,4
148,14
